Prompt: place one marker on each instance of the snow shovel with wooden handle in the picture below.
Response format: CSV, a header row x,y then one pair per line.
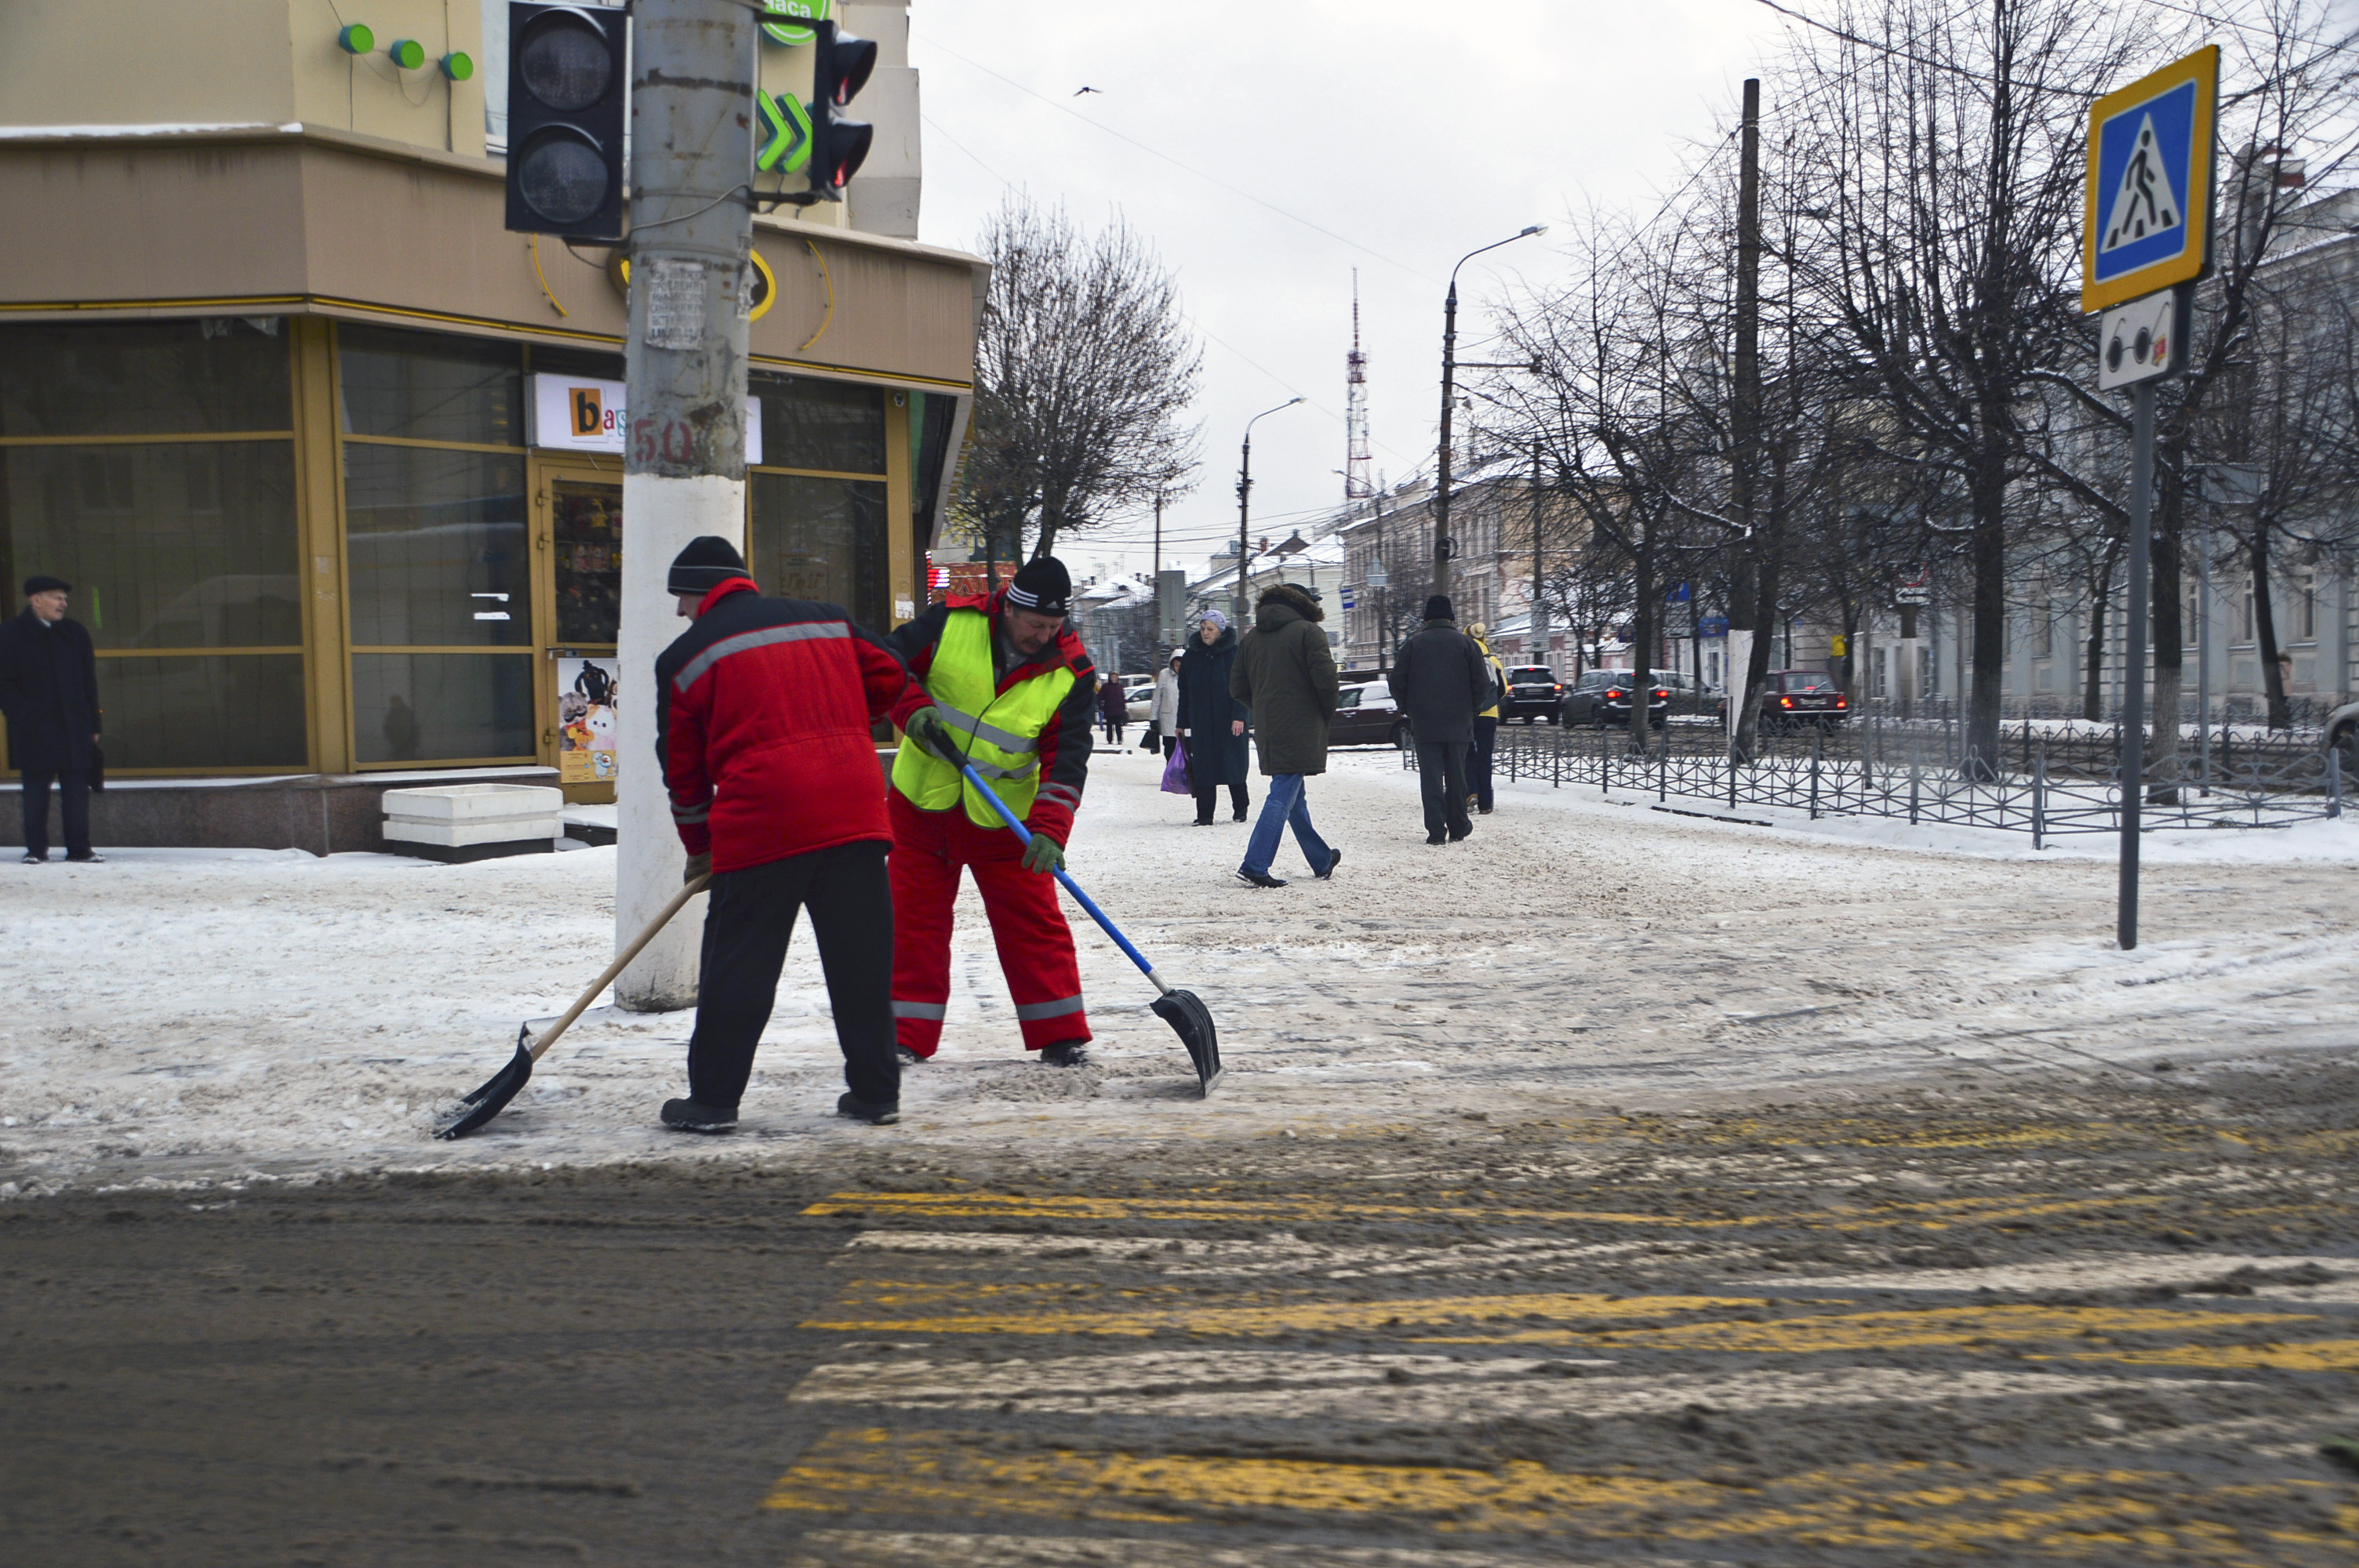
x,y
504,1085
1183,1011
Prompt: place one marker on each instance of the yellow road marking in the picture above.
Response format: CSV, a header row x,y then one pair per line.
x,y
2314,1356
1286,1318
1932,1215
1913,1506
1963,1327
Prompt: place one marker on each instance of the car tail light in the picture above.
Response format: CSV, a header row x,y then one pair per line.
x,y
1843,702
1663,695
1613,695
1785,702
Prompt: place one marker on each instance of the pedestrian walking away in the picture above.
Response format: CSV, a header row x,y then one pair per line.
x,y
1486,723
763,716
1286,674
1114,710
49,694
1004,686
1214,722
1440,680
1163,712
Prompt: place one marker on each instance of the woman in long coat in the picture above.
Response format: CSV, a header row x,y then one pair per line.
x,y
1163,715
1212,721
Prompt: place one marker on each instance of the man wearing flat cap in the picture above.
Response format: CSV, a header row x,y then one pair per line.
x,y
49,694
1002,684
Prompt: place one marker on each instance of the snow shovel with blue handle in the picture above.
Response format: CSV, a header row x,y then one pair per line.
x,y
1184,1011
508,1082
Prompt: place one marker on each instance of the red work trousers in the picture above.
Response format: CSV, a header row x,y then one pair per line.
x,y
1035,945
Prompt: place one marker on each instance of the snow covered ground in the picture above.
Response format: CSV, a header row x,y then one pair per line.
x,y
213,1017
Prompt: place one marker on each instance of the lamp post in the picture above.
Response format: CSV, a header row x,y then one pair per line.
x,y
1245,489
1443,548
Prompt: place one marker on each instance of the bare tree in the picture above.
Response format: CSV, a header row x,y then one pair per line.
x,y
1084,372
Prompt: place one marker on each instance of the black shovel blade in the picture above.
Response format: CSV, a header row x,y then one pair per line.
x,y
1189,1017
492,1098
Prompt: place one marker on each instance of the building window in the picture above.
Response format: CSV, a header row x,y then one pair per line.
x,y
151,464
2043,627
817,526
2305,611
436,548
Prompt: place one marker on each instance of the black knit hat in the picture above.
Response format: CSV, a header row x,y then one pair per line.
x,y
707,563
1043,587
1437,608
34,585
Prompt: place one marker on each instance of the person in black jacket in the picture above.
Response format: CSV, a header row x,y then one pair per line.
x,y
1440,680
49,694
1212,722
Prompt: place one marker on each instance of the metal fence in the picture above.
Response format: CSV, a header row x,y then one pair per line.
x,y
2041,782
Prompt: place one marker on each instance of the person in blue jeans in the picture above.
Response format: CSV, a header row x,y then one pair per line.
x,y
1286,676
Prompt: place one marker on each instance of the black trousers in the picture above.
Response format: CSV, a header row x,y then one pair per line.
x,y
1478,771
745,931
1442,780
74,796
1207,794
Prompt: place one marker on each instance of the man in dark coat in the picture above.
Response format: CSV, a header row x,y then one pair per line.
x,y
1286,674
49,693
1213,722
1440,680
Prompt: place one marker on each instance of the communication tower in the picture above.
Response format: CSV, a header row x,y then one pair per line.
x,y
1355,409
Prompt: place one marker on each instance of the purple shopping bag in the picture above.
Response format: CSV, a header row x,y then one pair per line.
x,y
1175,771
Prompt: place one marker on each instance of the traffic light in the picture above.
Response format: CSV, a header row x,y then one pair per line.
x,y
841,67
567,87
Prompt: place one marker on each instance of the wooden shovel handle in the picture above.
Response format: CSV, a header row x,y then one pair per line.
x,y
622,961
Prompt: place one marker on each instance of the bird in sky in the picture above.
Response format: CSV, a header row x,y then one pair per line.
x,y
1097,90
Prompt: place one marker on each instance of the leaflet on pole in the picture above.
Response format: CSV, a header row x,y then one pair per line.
x,y
2146,215
2143,340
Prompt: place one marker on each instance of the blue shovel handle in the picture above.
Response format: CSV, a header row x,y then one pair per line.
x,y
1024,835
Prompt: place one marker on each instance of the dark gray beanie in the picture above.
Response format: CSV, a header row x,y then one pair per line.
x,y
707,563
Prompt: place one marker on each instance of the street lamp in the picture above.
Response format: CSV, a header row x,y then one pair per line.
x,y
1244,489
1442,547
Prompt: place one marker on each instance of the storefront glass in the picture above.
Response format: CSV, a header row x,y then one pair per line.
x,y
436,548
831,425
586,518
822,539
182,545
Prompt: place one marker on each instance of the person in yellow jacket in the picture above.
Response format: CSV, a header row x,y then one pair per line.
x,y
1486,724
1001,683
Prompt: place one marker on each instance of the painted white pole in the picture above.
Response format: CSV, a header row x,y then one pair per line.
x,y
694,65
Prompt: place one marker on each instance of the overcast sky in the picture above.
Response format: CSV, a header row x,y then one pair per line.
x,y
1408,136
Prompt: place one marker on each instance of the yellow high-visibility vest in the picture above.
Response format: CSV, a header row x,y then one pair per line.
x,y
998,731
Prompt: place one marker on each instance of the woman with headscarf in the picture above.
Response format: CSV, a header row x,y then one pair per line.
x,y
1163,712
1212,721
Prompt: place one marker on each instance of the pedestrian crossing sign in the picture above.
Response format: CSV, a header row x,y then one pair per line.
x,y
2147,219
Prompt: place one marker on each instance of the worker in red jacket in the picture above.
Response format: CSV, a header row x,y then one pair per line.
x,y
999,682
763,711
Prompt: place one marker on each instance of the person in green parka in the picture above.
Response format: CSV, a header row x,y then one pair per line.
x,y
1286,672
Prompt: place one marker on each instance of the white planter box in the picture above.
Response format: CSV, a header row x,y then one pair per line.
x,y
474,822
472,803
463,835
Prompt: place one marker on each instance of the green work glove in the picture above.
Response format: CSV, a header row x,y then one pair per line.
x,y
1044,854
927,728
698,866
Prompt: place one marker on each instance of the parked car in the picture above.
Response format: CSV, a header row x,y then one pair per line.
x,y
1603,698
1799,700
1533,693
1137,696
1688,698
1365,715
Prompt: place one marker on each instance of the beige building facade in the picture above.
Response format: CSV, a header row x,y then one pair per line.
x,y
332,456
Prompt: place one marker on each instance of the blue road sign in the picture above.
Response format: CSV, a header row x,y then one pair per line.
x,y
2146,215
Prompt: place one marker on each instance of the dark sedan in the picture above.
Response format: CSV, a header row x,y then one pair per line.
x,y
1533,693
1800,699
1366,716
1603,698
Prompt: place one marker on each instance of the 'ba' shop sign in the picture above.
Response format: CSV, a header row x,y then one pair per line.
x,y
574,414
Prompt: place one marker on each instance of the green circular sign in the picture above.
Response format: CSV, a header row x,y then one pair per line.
x,y
407,54
458,67
356,39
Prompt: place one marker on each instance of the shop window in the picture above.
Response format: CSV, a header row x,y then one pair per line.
x,y
427,387
233,711
436,547
441,708
207,376
822,539
837,427
587,519
168,544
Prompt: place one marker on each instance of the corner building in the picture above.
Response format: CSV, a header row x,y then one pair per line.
x,y
334,460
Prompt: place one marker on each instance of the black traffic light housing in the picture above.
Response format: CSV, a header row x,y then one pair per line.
x,y
569,86
841,66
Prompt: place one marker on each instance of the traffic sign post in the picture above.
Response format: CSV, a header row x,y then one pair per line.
x,y
2146,239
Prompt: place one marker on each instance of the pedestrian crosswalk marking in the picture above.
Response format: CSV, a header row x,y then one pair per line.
x,y
1036,1317
2087,1512
918,1548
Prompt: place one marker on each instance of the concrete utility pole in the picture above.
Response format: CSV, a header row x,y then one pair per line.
x,y
694,64
1746,609
1445,548
1241,618
1539,654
